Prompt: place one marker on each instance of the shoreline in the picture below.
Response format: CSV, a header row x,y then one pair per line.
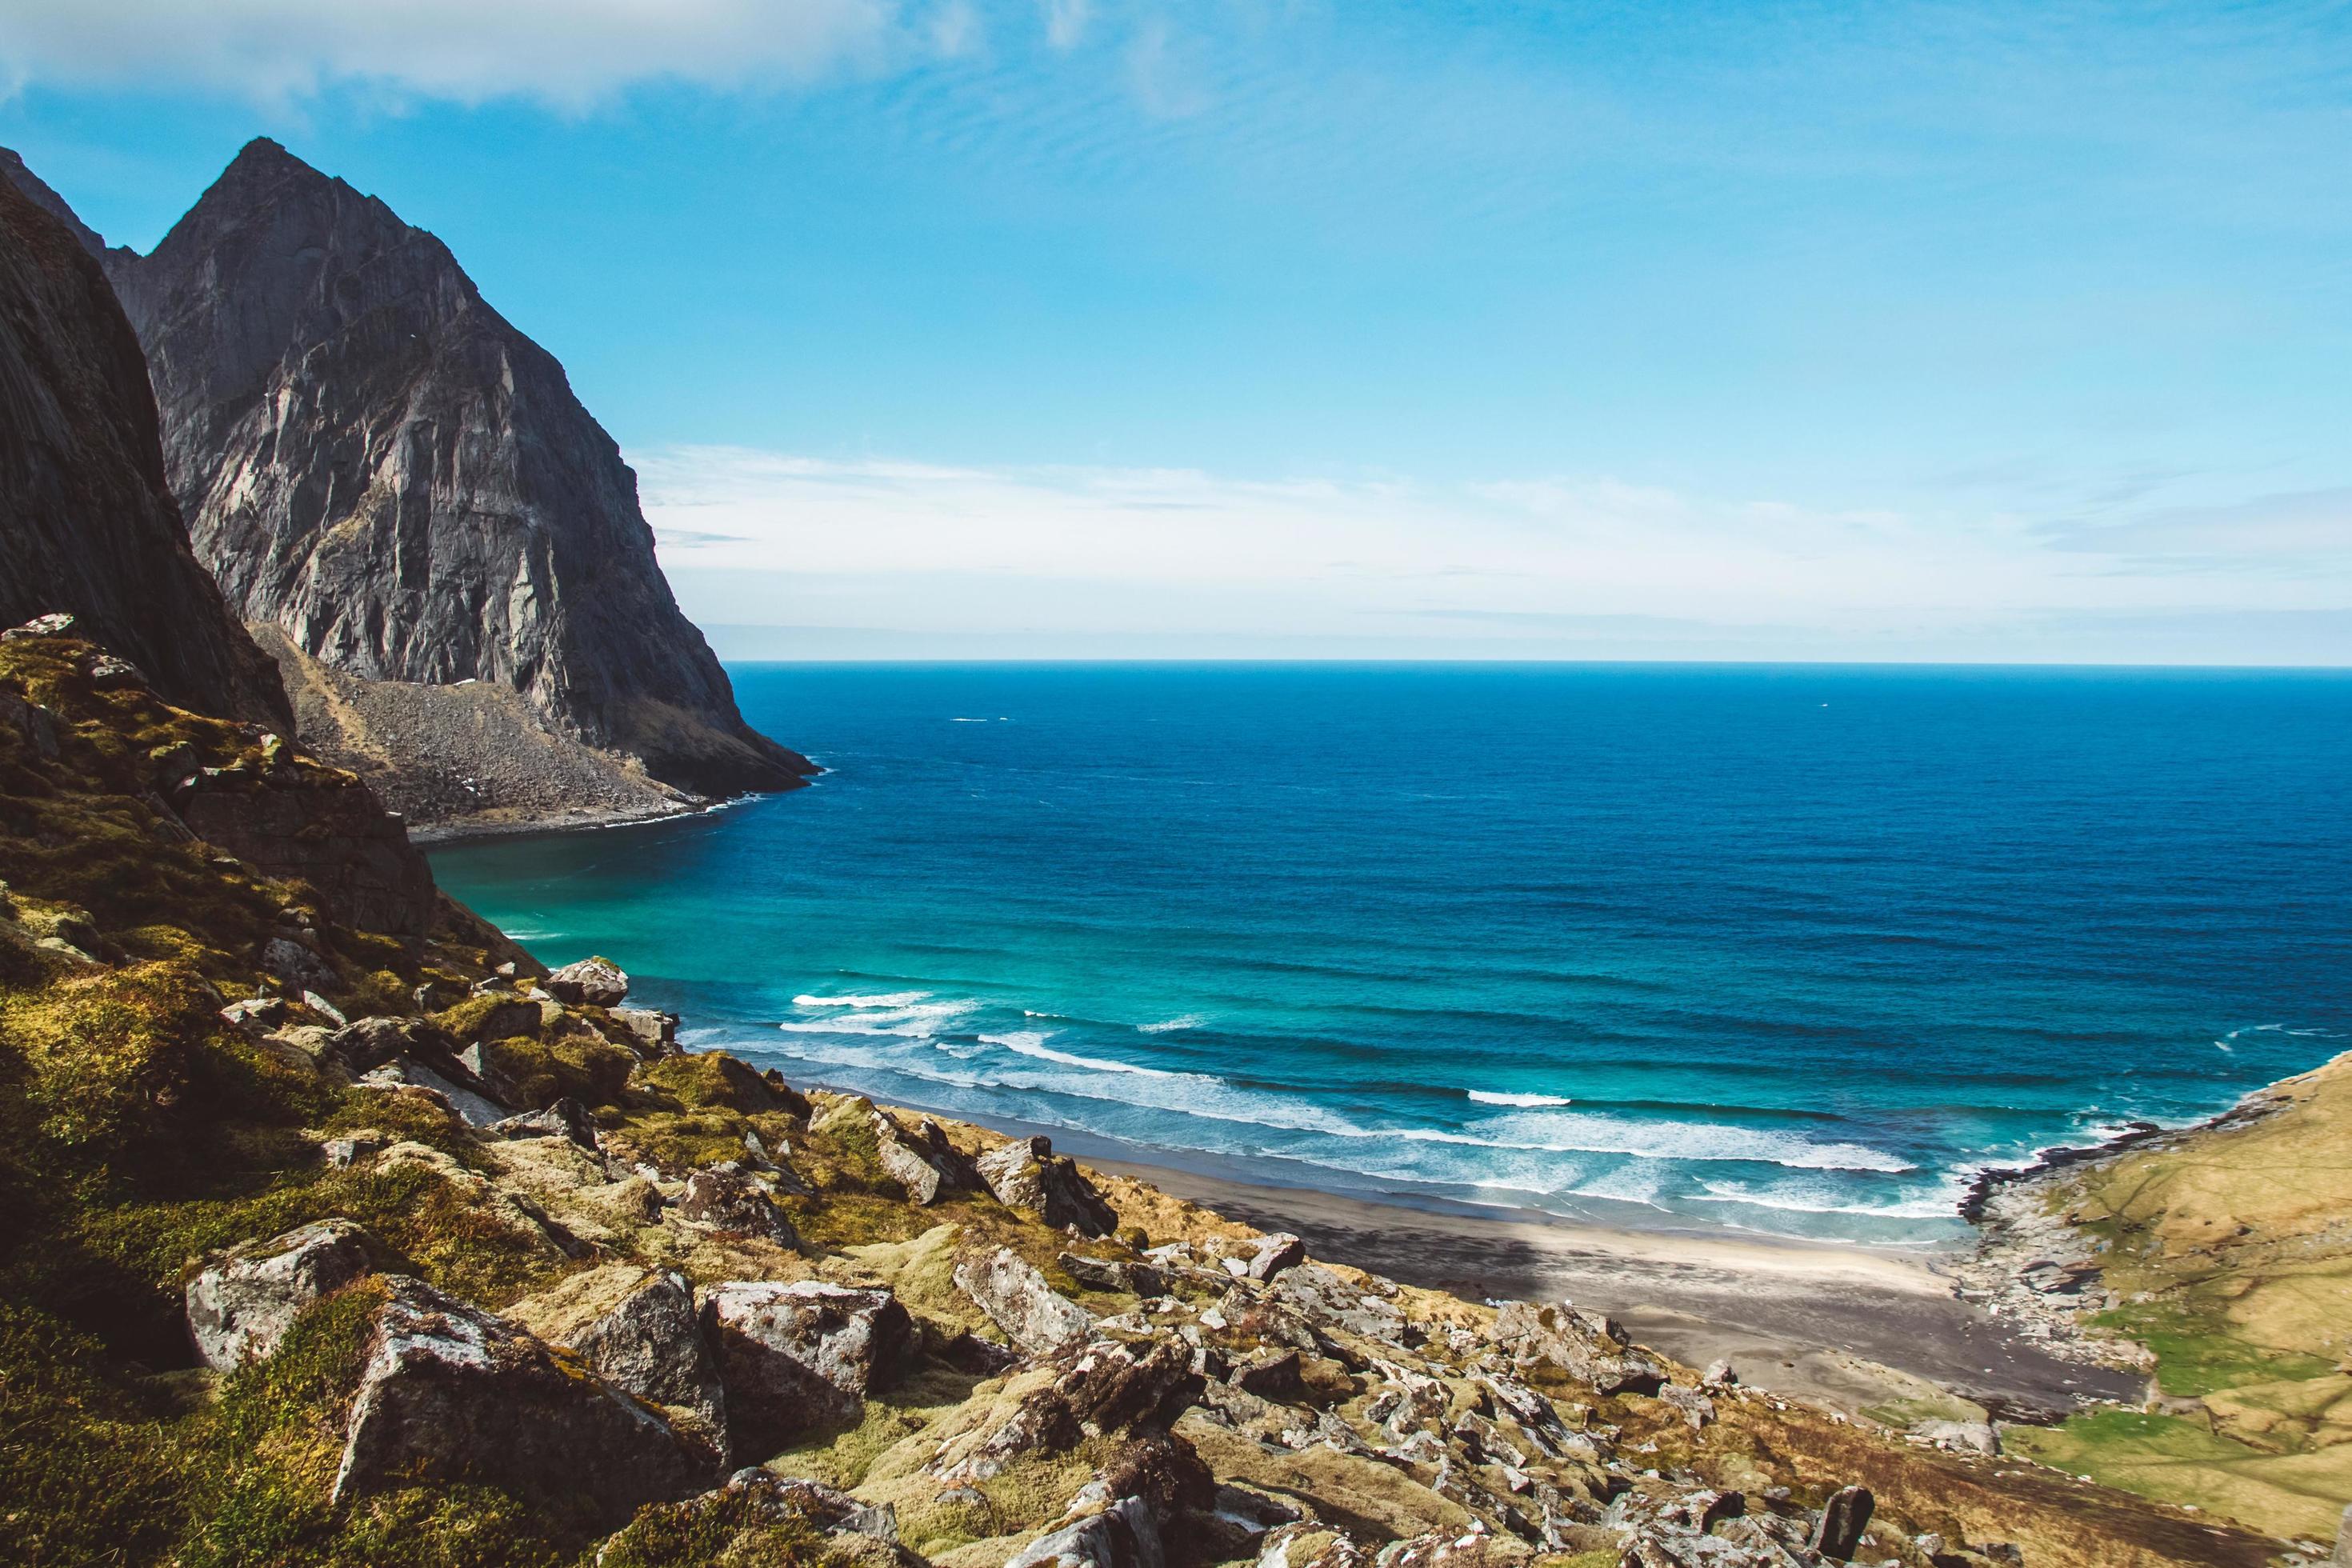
x,y
449,834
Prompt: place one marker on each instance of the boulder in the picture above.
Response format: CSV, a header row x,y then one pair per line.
x,y
1721,1373
1123,1535
241,1303
649,1034
927,1166
567,1118
1696,1408
506,1018
408,1072
1272,1375
1843,1518
1026,1174
1114,1274
1963,1437
640,1330
451,1394
254,1013
591,983
1015,1297
1582,1344
296,966
804,1354
1328,1300
1272,1254
735,1205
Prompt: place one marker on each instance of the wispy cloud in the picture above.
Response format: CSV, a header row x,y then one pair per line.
x,y
1080,552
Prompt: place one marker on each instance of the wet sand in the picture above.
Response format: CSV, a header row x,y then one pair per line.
x,y
1851,1327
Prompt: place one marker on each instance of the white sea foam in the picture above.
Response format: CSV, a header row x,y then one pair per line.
x,y
1168,1025
915,1020
1523,1101
1029,1044
883,999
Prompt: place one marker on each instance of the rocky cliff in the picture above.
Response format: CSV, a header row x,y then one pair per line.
x,y
376,463
87,525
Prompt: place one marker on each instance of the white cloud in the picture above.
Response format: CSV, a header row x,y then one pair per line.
x,y
1065,21
1075,551
565,52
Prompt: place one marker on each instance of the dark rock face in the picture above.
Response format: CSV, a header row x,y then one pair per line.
x,y
795,1356
377,463
88,524
327,829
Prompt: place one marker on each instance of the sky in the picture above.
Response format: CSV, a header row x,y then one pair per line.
x,y
1281,328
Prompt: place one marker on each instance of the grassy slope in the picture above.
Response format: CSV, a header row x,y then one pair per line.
x,y
2232,1249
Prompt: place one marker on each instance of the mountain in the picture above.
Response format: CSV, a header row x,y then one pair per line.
x,y
87,525
399,490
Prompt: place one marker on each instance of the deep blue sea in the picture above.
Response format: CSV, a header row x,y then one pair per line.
x,y
1784,949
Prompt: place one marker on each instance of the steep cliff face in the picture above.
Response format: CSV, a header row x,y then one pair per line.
x,y
88,524
374,461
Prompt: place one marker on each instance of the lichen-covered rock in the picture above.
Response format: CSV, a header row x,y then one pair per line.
x,y
804,1354
924,1163
1582,1344
651,1035
1272,1254
642,1331
566,1117
591,982
1845,1517
241,1303
471,1102
1114,1274
450,1393
1123,1535
1026,1174
1033,1314
734,1205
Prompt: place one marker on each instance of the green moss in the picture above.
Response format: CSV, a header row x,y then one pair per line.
x,y
2181,1461
584,1066
497,1014
707,1080
730,1531
2197,1350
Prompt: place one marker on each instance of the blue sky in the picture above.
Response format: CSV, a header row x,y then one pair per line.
x,y
1250,327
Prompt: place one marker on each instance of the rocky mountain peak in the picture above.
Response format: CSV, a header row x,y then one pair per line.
x,y
402,487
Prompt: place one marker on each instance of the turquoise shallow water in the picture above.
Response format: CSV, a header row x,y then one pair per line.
x,y
1791,950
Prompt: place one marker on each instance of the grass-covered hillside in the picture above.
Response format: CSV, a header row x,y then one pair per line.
x,y
2227,1253
317,1247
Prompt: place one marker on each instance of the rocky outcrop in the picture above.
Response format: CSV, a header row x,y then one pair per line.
x,y
87,522
733,1205
450,1393
319,827
641,1330
799,1355
242,1302
1584,1345
591,982
1025,1174
376,463
925,1163
1017,1300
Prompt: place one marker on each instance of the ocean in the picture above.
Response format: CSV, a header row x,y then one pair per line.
x,y
1790,950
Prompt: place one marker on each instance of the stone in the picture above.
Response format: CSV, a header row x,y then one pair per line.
x,y
591,982
926,1164
642,1331
254,1013
1017,1300
1114,1274
1274,1254
2343,1555
567,1118
1025,1174
1327,1299
651,1035
241,1302
1696,1408
1963,1437
1123,1535
519,1018
1311,1545
406,1072
452,1394
801,1356
297,965
1843,1518
1274,1376
735,1205
1582,1344
56,623
1721,1373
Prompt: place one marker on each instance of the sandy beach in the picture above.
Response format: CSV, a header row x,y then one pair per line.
x,y
1854,1327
